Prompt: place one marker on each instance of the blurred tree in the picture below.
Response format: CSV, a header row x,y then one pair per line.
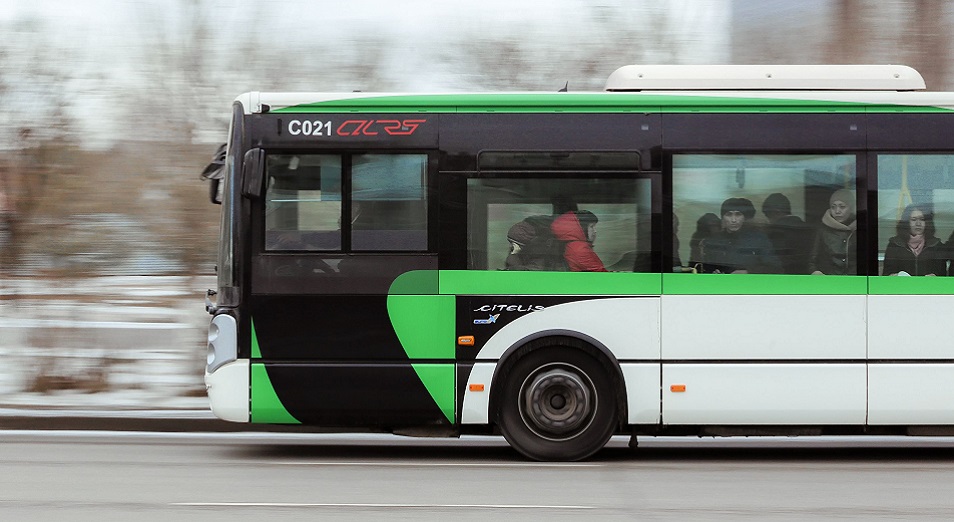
x,y
40,133
535,56
927,41
850,42
908,32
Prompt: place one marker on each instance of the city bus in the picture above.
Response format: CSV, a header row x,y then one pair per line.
x,y
696,250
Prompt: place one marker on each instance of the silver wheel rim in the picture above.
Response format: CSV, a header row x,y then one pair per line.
x,y
557,401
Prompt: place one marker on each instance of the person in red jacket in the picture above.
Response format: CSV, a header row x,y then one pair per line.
x,y
578,231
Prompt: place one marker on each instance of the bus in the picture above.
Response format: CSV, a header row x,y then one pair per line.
x,y
696,250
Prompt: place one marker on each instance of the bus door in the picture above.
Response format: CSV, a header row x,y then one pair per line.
x,y
340,219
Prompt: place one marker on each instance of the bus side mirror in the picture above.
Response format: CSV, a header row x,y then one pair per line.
x,y
214,172
215,191
253,172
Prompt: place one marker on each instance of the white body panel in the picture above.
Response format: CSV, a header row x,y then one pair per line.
x,y
228,391
642,392
911,394
764,394
628,327
761,327
910,327
476,404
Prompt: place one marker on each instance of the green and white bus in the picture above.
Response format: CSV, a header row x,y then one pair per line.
x,y
433,264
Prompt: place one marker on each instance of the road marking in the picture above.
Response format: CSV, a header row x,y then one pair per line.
x,y
381,506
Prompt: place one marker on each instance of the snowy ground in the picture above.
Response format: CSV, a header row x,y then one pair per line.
x,y
103,343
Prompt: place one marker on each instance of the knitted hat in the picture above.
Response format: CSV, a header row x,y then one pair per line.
x,y
845,196
521,233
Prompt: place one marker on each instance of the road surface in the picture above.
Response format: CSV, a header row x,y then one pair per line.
x,y
137,476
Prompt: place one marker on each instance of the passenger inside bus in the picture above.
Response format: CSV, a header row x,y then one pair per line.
x,y
789,235
578,232
739,248
708,225
915,250
834,251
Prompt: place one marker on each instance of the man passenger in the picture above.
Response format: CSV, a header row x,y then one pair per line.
x,y
739,248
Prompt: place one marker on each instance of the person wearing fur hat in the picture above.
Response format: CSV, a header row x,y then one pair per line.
x,y
834,251
739,248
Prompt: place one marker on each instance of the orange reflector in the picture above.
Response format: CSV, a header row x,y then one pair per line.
x,y
476,387
465,340
677,388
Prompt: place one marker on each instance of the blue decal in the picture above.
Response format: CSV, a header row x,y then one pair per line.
x,y
490,320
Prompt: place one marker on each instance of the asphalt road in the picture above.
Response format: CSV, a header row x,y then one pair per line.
x,y
88,475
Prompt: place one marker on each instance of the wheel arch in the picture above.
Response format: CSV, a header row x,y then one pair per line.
x,y
550,338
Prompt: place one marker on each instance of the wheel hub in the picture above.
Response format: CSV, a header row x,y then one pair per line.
x,y
557,402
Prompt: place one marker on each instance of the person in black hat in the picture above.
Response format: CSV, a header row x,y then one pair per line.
x,y
739,248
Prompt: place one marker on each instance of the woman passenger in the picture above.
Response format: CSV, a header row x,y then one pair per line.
x,y
835,248
914,250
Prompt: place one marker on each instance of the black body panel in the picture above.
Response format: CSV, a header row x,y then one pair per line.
x,y
383,396
910,132
776,132
333,274
464,135
344,131
325,328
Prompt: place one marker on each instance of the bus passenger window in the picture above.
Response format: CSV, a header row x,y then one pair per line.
x,y
915,211
720,194
389,202
559,224
303,202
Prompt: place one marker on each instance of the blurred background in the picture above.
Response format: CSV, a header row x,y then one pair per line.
x,y
109,109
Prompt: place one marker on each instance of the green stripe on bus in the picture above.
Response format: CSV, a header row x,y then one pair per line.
x,y
415,282
763,284
256,351
424,324
266,407
439,379
589,103
899,285
481,282
880,109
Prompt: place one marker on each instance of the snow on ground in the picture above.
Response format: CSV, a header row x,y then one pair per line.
x,y
103,343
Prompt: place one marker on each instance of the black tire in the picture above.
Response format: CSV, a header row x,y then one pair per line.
x,y
558,404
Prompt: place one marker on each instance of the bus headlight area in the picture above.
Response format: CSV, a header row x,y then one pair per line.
x,y
222,342
228,387
226,379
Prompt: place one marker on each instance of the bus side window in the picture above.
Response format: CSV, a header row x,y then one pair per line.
x,y
721,192
389,202
303,202
915,214
504,214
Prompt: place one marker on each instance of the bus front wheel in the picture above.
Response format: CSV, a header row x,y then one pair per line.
x,y
558,404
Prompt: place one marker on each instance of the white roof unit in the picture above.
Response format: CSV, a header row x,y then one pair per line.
x,y
765,77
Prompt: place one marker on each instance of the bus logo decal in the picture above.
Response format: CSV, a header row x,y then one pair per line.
x,y
490,320
372,127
